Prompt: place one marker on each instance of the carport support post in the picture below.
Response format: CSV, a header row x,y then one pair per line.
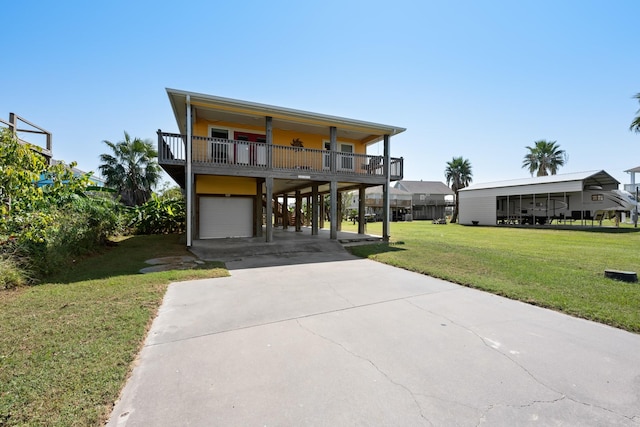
x,y
333,199
269,220
361,208
385,191
314,210
298,216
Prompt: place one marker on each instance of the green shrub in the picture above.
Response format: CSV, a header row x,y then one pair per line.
x,y
51,239
159,216
11,274
46,226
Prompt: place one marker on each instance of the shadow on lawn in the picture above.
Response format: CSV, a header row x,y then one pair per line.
x,y
365,251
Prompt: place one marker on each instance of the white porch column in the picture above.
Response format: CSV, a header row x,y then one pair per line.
x,y
385,190
189,177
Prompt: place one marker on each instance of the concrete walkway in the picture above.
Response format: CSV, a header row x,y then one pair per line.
x,y
354,342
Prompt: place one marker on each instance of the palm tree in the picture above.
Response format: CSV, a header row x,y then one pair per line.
x,y
132,169
458,173
635,124
545,157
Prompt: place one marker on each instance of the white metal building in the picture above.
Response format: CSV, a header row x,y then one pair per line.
x,y
539,200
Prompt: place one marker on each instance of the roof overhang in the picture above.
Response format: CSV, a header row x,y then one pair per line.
x,y
578,181
633,170
219,109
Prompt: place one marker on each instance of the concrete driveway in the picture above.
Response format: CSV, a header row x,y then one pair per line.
x,y
354,342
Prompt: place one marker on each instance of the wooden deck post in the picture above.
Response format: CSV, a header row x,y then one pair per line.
x,y
285,212
298,211
189,187
258,208
333,199
361,209
385,191
269,220
314,210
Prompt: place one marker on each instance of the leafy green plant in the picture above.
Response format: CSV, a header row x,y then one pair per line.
x,y
159,216
45,216
20,168
11,275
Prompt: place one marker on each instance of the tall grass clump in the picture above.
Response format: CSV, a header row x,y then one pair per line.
x,y
48,240
11,275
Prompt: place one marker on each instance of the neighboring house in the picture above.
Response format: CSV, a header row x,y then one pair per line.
x,y
540,200
429,198
632,187
39,139
94,181
399,204
233,158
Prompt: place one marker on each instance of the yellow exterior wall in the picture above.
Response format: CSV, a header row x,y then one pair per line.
x,y
280,137
211,184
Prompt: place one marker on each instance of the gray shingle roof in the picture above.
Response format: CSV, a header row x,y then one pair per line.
x,y
424,187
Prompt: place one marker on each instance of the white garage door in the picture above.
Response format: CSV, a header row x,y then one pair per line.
x,y
226,217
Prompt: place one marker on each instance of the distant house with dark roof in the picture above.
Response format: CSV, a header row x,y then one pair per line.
x,y
429,199
399,204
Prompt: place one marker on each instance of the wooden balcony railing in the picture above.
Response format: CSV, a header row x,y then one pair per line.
x,y
245,154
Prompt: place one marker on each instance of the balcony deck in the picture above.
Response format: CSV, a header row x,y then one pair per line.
x,y
244,158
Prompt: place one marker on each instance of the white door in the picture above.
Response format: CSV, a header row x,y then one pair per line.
x,y
344,161
226,217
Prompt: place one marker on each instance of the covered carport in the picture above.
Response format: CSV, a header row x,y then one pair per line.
x,y
502,202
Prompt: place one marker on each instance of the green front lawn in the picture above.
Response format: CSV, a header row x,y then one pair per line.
x,y
66,346
559,269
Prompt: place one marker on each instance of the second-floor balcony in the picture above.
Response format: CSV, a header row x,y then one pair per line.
x,y
237,155
631,188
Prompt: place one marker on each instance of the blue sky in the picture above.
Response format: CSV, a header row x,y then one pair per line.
x,y
478,79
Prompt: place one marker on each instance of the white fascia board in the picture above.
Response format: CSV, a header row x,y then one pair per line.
x,y
282,112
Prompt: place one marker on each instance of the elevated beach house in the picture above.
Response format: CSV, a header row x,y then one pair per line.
x,y
242,163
